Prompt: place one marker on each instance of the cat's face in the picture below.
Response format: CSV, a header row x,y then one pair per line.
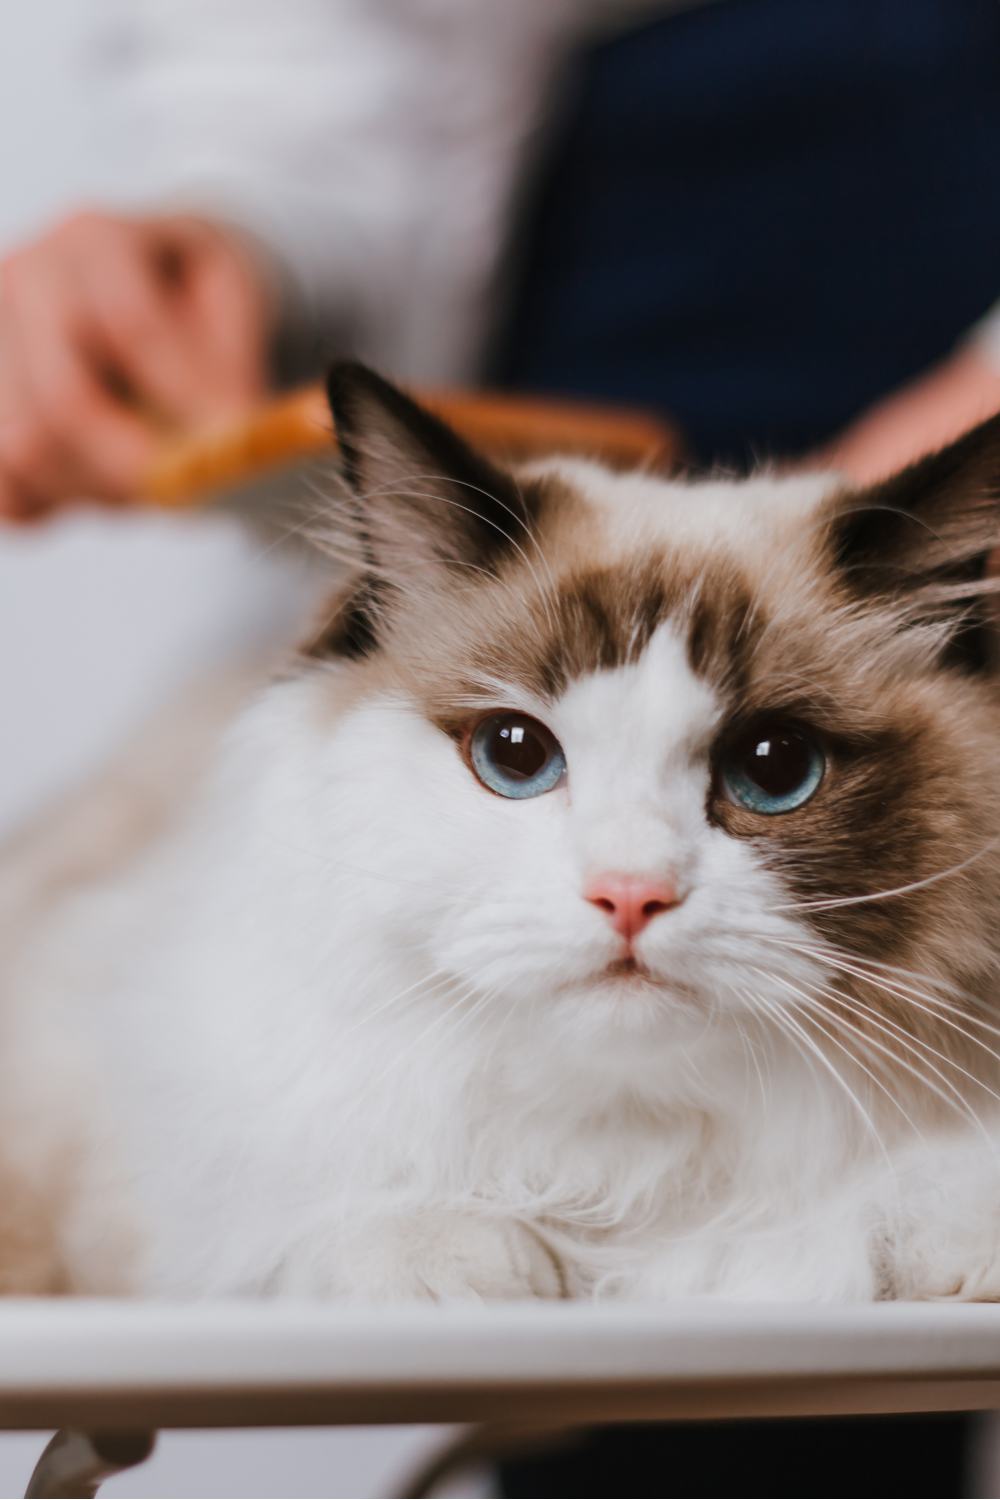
x,y
646,759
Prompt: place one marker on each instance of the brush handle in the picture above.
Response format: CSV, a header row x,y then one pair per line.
x,y
190,470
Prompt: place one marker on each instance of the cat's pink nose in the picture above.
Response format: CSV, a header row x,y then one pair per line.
x,y
630,901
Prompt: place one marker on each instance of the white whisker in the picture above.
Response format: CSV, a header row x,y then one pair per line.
x,y
932,1005
791,1026
829,903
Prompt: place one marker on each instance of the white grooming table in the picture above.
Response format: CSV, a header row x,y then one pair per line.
x,y
120,1367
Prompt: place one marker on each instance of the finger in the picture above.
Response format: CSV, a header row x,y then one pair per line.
x,y
105,448
20,498
226,305
28,513
17,506
32,462
132,311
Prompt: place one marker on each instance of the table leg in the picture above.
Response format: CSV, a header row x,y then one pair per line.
x,y
74,1465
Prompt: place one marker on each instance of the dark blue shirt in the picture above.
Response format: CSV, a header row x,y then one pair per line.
x,y
762,215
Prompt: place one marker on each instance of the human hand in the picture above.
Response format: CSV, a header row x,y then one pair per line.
x,y
922,416
114,330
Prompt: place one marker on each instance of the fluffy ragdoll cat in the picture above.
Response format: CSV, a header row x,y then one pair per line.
x,y
608,904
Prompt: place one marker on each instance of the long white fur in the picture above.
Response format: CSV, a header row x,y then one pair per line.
x,y
339,1034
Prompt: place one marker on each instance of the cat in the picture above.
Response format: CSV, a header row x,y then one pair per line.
x,y
605,904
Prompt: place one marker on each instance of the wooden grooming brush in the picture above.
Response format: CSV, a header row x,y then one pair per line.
x,y
191,469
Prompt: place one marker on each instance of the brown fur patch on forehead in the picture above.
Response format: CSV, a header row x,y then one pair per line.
x,y
724,626
568,605
605,617
594,618
569,601
599,618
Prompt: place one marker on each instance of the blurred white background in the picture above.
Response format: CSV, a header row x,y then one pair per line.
x,y
100,617
100,621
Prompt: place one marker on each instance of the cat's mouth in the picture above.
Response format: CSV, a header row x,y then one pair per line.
x,y
630,973
626,967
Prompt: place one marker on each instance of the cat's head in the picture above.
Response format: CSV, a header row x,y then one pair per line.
x,y
645,756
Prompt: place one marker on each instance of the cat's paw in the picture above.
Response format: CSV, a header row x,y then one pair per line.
x,y
941,1232
961,1281
944,1263
492,1259
783,1264
441,1257
820,1253
944,1258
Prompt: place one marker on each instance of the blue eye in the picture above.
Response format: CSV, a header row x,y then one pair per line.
x,y
515,756
774,768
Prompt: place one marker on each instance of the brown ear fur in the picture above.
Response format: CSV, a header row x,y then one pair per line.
x,y
421,496
412,473
922,539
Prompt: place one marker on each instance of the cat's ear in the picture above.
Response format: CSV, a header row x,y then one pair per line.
x,y
423,495
922,538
